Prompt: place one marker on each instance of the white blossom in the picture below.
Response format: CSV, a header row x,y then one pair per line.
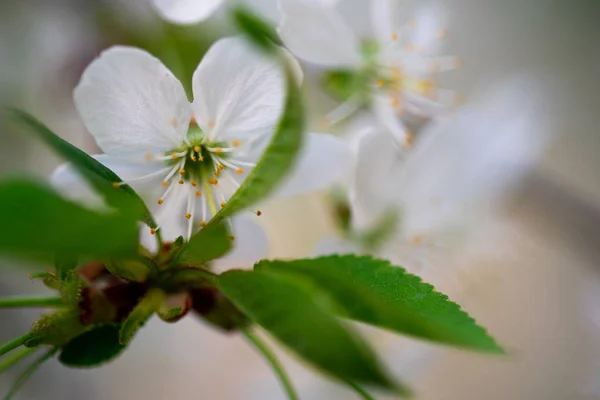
x,y
397,62
193,11
187,159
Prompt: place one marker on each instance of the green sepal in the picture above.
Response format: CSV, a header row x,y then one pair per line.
x,y
56,329
344,84
140,315
174,306
377,293
213,241
130,270
93,348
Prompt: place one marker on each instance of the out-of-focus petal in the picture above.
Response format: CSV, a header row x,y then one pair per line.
x,y
250,245
186,11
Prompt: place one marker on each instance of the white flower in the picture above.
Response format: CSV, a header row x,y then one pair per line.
x,y
460,173
397,63
186,159
193,11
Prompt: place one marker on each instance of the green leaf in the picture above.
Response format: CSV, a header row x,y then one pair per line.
x,y
277,160
141,314
258,30
93,348
209,243
40,224
99,176
300,315
378,293
64,263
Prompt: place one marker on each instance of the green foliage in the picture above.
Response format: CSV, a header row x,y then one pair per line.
x,y
42,224
122,197
259,31
301,316
378,293
209,243
140,315
95,347
277,160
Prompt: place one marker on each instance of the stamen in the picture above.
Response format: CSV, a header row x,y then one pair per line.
x,y
258,213
220,167
211,123
180,181
380,83
181,172
160,201
222,204
220,149
202,224
150,175
194,183
188,215
197,149
198,193
235,143
173,171
165,183
239,171
394,36
149,156
213,181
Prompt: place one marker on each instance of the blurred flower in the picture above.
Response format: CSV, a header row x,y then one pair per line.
x,y
187,159
394,65
459,172
194,11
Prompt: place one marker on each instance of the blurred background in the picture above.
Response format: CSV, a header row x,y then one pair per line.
x,y
530,272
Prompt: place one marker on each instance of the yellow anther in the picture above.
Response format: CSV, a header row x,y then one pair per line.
x,y
394,36
413,22
188,215
380,83
202,223
235,143
409,140
222,204
216,172
173,156
165,183
198,193
239,171
200,158
220,167
149,156
181,171
416,240
395,102
213,181
258,213
180,181
197,149
193,183
160,201
116,185
218,150
194,158
211,123
152,231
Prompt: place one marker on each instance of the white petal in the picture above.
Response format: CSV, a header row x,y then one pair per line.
x,y
238,91
186,11
315,32
323,161
468,166
427,33
388,117
334,245
355,13
67,180
380,14
374,189
266,8
132,104
250,245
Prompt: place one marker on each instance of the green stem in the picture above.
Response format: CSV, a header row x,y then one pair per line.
x,y
13,344
362,392
275,363
28,372
10,302
15,357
